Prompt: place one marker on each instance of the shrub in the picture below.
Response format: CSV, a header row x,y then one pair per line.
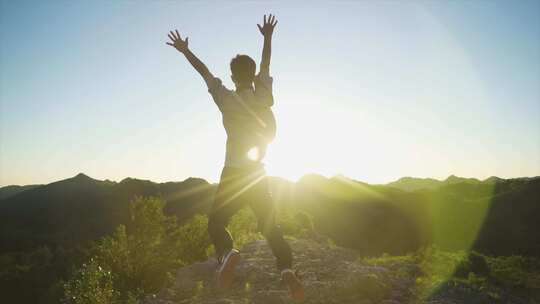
x,y
440,270
295,223
138,258
91,284
515,271
243,227
474,263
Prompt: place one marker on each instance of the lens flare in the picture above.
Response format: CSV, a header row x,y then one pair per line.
x,y
253,154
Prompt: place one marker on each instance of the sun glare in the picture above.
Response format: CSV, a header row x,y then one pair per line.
x,y
253,153
321,142
332,139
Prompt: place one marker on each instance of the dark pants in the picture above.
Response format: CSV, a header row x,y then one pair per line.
x,y
237,188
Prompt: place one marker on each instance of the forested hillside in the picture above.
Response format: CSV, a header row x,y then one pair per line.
x,y
48,231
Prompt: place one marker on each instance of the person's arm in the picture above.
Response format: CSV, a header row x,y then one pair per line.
x,y
182,47
266,30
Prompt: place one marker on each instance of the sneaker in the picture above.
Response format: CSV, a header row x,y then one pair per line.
x,y
296,289
225,272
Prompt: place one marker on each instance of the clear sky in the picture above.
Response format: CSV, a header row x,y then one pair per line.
x,y
374,90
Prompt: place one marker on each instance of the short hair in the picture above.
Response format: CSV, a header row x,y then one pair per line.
x,y
243,68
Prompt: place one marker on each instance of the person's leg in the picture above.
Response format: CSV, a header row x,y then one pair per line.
x,y
219,235
230,197
263,206
227,257
226,204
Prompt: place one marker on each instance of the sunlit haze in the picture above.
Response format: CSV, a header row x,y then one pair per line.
x,y
373,90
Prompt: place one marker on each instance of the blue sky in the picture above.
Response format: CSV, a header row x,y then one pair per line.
x,y
374,90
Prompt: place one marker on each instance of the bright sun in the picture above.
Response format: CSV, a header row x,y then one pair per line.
x,y
329,138
317,138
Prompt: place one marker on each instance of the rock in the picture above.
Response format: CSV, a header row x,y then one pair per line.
x,y
330,275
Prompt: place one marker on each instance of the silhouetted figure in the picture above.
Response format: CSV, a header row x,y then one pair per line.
x,y
250,126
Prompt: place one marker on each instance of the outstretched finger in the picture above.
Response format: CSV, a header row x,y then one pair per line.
x,y
264,19
171,37
260,27
274,23
177,34
272,18
168,43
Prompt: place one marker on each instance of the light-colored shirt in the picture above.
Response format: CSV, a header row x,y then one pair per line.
x,y
248,120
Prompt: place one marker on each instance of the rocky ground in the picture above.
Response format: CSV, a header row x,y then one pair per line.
x,y
331,275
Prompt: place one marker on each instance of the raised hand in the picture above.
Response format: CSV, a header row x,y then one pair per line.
x,y
177,42
268,25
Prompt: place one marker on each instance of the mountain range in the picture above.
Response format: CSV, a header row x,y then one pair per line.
x,y
79,209
414,183
46,230
496,216
405,183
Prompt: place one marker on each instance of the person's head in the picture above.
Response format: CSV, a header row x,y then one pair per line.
x,y
243,70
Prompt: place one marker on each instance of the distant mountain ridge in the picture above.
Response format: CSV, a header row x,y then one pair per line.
x,y
80,209
417,183
406,183
12,190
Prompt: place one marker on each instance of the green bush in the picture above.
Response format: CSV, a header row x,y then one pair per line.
x,y
437,268
294,222
474,263
243,227
516,271
192,239
91,284
141,257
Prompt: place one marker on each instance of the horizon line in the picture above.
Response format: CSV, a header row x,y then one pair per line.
x,y
287,179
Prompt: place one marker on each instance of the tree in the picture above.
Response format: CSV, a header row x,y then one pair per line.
x,y
140,256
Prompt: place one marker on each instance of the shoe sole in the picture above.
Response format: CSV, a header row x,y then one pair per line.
x,y
296,289
226,275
